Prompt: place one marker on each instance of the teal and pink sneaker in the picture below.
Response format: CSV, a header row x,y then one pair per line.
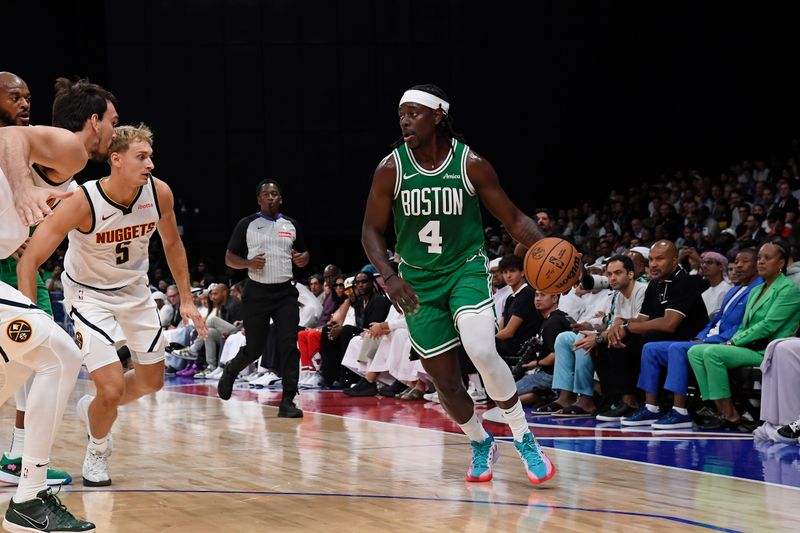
x,y
484,456
537,465
10,470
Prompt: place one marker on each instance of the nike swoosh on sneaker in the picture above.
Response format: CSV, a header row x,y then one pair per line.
x,y
35,523
39,466
409,176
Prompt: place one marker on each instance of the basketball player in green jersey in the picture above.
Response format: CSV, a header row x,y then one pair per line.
x,y
434,184
15,109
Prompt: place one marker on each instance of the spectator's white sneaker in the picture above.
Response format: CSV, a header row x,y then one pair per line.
x,y
215,374
432,397
477,395
266,379
311,380
203,374
254,376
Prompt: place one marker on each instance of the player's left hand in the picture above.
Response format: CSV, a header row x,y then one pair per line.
x,y
402,296
32,203
300,259
190,312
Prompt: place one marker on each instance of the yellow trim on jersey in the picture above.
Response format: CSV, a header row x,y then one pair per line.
x,y
113,202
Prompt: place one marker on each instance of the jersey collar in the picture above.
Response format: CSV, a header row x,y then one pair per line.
x,y
265,217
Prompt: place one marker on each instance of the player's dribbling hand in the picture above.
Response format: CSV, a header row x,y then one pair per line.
x,y
190,312
401,294
32,203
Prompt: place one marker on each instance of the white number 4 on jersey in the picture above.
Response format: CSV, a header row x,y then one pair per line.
x,y
430,235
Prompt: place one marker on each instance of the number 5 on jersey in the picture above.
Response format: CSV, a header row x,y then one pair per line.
x,y
430,235
123,252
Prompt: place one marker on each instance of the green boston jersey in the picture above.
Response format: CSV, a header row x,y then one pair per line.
x,y
437,214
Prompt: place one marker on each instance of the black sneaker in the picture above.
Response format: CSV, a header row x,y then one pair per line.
x,y
392,390
716,421
362,388
790,431
706,412
43,513
616,413
288,409
225,385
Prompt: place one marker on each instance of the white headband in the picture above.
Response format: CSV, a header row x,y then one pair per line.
x,y
423,98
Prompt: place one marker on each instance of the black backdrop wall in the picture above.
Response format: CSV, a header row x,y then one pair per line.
x,y
567,100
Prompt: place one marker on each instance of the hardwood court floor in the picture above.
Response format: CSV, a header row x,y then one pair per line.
x,y
184,461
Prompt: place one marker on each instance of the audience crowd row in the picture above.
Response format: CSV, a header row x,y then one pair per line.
x,y
686,279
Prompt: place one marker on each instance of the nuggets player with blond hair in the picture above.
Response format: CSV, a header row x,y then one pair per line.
x,y
109,223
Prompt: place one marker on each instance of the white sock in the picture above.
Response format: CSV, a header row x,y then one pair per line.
x,y
652,408
32,480
17,443
474,429
682,410
516,420
98,445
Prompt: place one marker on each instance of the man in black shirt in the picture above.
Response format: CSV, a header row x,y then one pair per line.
x,y
538,367
520,320
673,309
370,306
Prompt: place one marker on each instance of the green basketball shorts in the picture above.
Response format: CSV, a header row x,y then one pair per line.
x,y
443,298
8,274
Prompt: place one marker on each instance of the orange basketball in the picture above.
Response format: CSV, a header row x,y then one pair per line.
x,y
552,265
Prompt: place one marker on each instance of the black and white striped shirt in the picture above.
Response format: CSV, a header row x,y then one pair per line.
x,y
275,238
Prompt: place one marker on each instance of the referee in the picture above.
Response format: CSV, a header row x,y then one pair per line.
x,y
267,243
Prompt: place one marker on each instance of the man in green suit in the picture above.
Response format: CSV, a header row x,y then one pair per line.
x,y
772,312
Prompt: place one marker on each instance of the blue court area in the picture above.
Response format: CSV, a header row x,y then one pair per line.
x,y
714,452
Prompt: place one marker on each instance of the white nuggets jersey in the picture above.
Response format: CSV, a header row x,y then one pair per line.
x,y
40,179
12,231
113,253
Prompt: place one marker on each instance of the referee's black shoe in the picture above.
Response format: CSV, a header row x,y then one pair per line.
x,y
288,409
225,385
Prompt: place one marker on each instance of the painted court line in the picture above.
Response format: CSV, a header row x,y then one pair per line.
x,y
413,498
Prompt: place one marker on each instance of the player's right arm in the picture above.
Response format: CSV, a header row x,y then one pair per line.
x,y
376,219
73,212
54,148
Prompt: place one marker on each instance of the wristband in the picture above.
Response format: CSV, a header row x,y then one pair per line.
x,y
626,328
387,278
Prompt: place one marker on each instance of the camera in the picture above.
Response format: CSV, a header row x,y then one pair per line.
x,y
593,282
527,352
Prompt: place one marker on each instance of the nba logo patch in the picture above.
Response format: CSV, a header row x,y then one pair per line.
x,y
19,331
79,339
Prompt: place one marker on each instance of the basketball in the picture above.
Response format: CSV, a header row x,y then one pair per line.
x,y
552,265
